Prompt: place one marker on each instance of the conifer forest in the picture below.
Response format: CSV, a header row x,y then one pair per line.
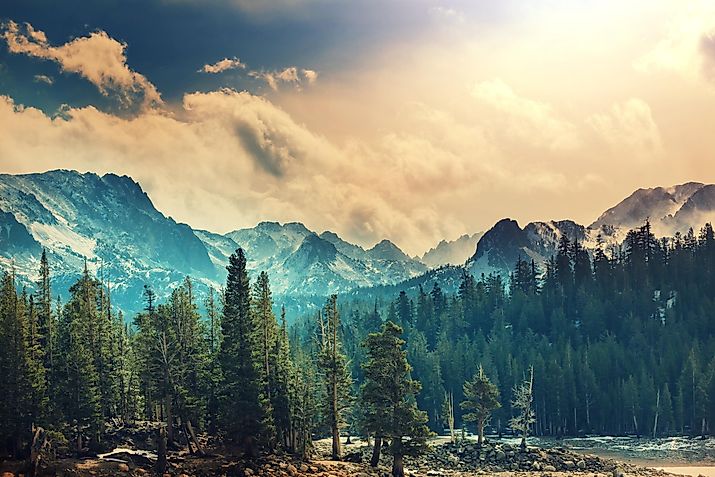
x,y
617,343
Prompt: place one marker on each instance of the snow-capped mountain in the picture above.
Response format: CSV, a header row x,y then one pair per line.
x,y
669,210
299,261
110,222
452,252
658,204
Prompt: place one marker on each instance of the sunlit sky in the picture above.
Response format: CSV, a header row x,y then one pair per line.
x,y
413,120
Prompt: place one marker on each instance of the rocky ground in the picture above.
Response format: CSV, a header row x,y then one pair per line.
x,y
443,460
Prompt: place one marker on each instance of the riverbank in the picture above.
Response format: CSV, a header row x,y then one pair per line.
x,y
501,458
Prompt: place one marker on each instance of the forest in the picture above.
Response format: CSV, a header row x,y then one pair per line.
x,y
615,341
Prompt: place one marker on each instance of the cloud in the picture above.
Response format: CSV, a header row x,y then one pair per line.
x,y
447,14
290,76
43,79
531,120
98,58
310,75
687,49
630,126
223,65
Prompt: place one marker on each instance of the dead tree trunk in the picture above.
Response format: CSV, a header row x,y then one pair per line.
x,y
192,435
657,410
39,441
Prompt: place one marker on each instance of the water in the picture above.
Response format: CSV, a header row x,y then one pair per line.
x,y
707,471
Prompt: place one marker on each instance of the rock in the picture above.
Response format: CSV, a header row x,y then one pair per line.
x,y
291,469
549,468
123,467
581,464
500,455
569,464
303,468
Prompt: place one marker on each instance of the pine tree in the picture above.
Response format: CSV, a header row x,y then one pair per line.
x,y
265,320
481,397
23,383
284,371
78,378
388,396
242,416
214,370
333,366
46,326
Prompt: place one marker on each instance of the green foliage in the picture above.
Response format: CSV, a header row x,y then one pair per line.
x,y
481,397
242,414
388,396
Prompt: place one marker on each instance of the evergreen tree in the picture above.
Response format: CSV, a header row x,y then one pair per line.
x,y
23,383
77,377
243,416
265,320
388,396
481,397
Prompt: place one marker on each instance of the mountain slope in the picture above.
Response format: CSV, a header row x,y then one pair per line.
x,y
108,221
658,204
453,252
670,210
301,262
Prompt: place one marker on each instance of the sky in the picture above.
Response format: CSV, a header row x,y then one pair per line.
x,y
412,120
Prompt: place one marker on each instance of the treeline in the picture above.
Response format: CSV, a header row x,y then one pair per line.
x,y
78,367
621,340
617,342
75,370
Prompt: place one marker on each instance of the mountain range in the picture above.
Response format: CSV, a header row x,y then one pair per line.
x,y
110,224
669,209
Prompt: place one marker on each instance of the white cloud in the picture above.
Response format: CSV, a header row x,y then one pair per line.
x,y
687,48
43,79
98,58
629,126
289,76
223,65
310,75
531,120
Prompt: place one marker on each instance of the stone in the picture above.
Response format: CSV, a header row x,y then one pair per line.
x,y
581,464
122,467
549,468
